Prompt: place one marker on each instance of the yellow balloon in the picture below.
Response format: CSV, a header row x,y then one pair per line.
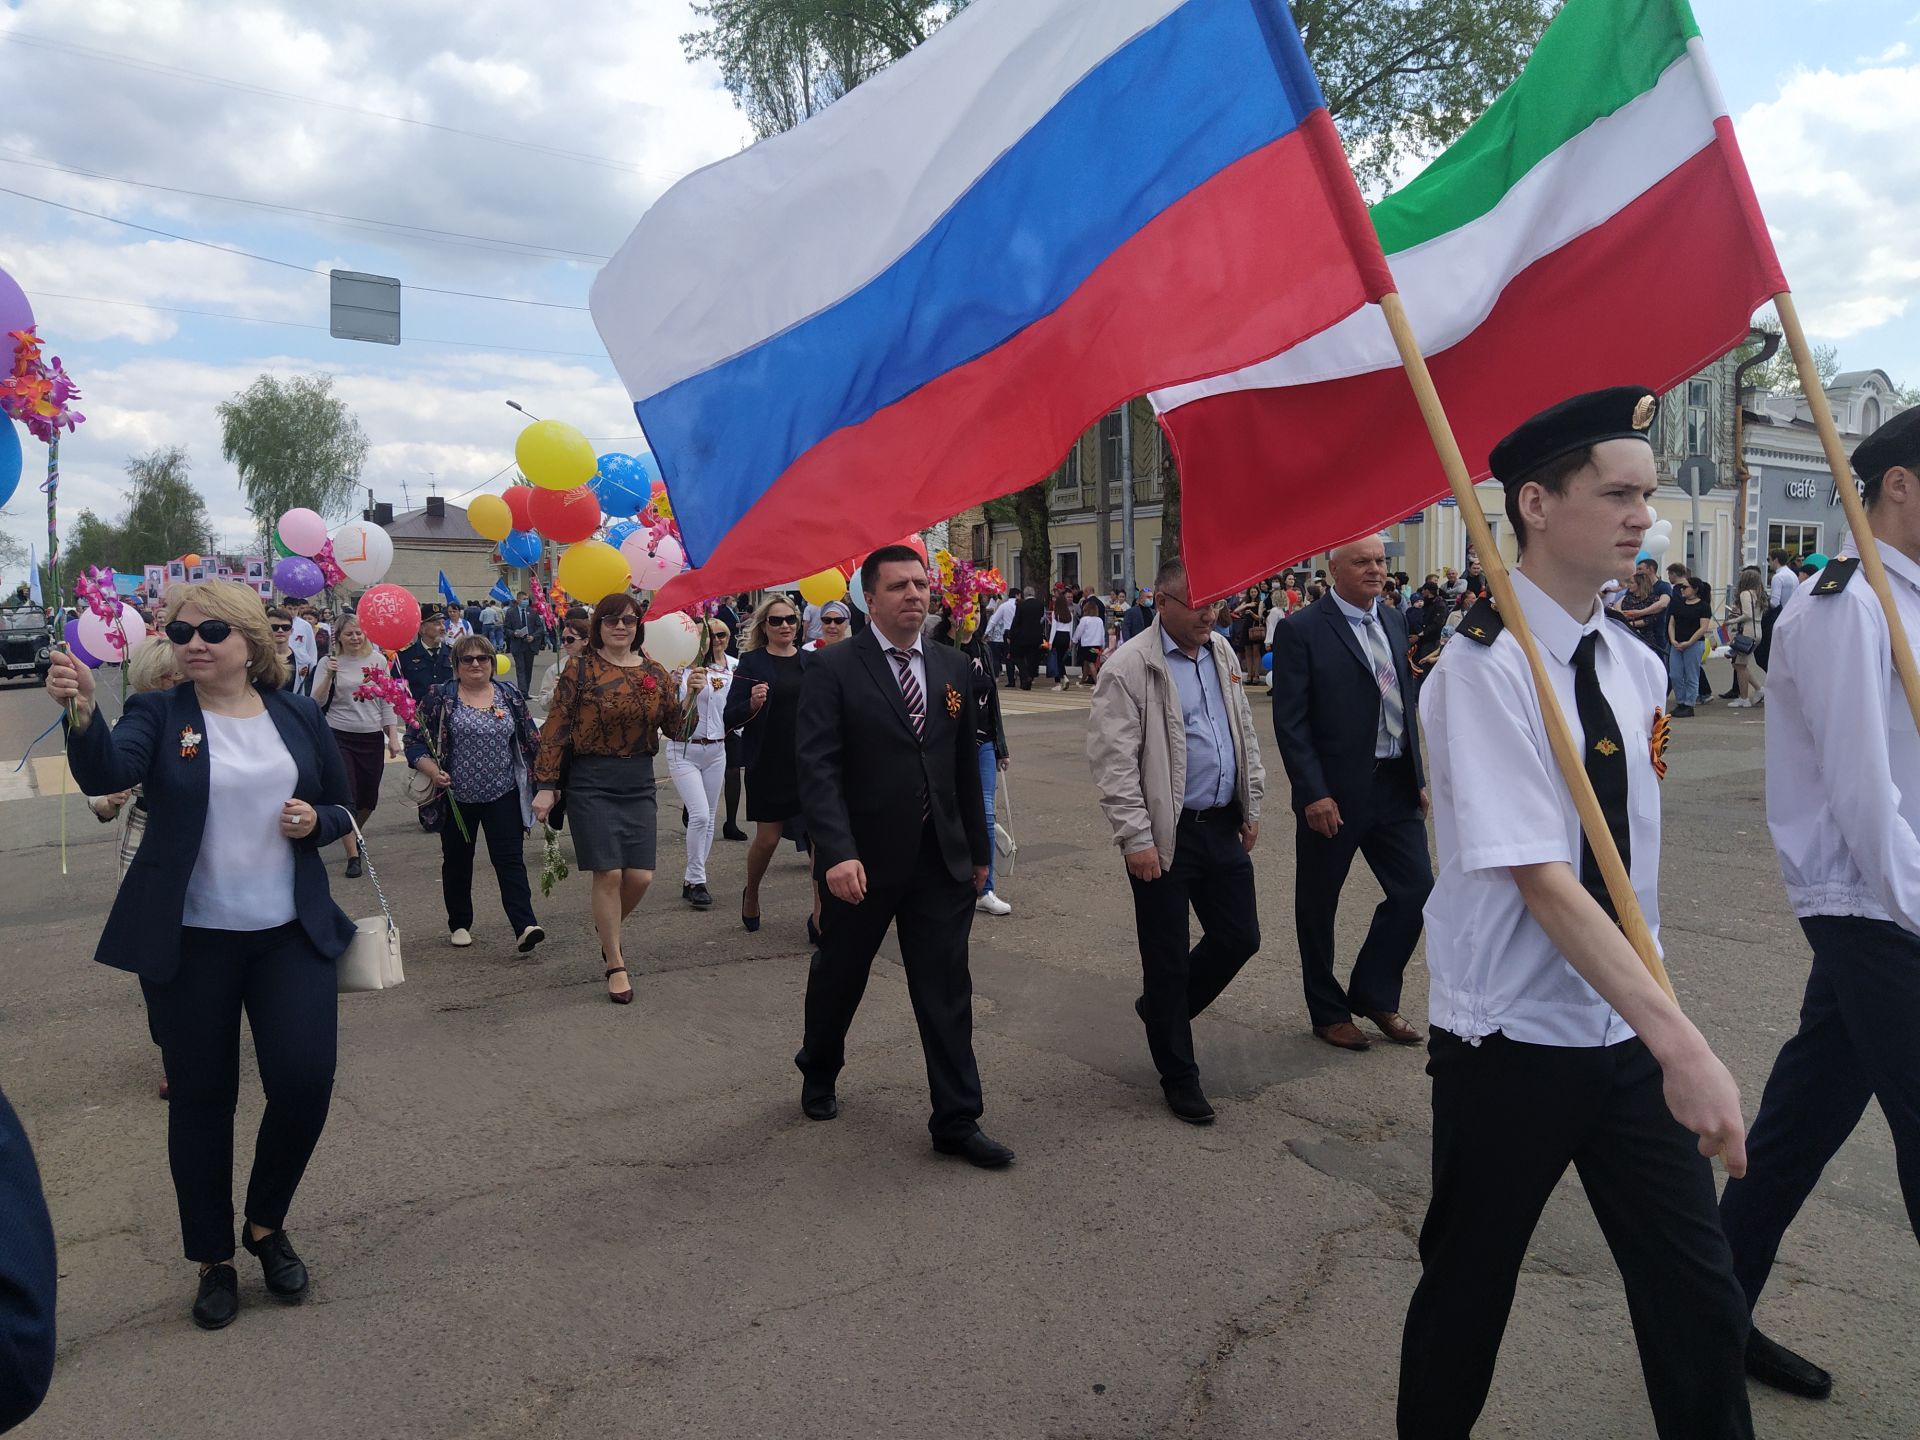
x,y
555,456
592,570
490,518
501,664
827,585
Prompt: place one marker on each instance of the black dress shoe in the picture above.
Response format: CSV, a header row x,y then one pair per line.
x,y
698,896
286,1276
353,867
977,1149
733,832
1190,1104
219,1298
1771,1363
817,1102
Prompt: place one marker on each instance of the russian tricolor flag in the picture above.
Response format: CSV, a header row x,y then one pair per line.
x,y
919,298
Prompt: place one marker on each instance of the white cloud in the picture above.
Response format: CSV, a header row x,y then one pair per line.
x,y
1899,50
1839,180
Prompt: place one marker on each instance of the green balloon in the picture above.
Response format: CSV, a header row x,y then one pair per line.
x,y
279,545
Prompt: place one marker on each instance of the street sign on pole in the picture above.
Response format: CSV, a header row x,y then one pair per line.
x,y
1696,475
364,307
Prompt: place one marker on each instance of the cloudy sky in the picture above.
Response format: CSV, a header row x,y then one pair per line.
x,y
529,139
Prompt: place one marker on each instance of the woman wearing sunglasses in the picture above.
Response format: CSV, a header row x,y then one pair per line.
x,y
764,704
475,740
367,731
573,639
596,752
299,672
225,908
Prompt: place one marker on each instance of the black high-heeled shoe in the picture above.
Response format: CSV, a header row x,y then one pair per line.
x,y
752,922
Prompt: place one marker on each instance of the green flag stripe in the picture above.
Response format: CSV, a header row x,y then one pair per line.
x,y
1595,57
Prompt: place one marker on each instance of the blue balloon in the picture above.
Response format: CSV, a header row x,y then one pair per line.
x,y
622,483
9,459
1266,661
521,547
618,532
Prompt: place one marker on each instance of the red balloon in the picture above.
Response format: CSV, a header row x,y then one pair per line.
x,y
390,616
566,515
519,500
916,544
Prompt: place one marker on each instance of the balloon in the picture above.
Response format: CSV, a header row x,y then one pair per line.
x,y
1657,545
97,635
521,548
10,457
501,663
279,545
1817,560
566,515
15,314
1266,661
858,596
490,517
651,571
298,576
1653,516
618,532
819,589
363,551
672,639
189,559
621,483
80,652
519,502
590,571
554,455
304,531
915,544
390,616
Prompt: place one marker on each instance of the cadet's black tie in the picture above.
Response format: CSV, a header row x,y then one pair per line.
x,y
1606,757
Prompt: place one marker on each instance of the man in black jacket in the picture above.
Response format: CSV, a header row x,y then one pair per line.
x,y
1349,733
890,786
427,664
523,629
1027,636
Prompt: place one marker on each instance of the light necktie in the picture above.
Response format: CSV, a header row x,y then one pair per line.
x,y
1393,712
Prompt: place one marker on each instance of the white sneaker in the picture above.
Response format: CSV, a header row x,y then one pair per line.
x,y
460,939
1760,696
991,904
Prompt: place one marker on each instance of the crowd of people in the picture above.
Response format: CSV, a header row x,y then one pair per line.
x,y
871,737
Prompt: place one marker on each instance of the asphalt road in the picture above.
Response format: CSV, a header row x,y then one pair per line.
x,y
536,1213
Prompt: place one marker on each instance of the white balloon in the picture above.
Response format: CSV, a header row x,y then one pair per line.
x,y
363,551
1662,527
1653,516
93,631
857,594
672,639
1657,545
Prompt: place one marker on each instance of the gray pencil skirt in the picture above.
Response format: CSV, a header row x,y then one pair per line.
x,y
612,812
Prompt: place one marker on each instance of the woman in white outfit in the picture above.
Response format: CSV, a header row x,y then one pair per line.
x,y
698,763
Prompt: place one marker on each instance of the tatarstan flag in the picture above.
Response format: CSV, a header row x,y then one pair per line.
x,y
1595,227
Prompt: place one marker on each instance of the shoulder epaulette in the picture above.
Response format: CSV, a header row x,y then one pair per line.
x,y
1617,618
1482,622
1834,578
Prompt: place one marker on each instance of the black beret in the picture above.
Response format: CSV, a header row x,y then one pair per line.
x,y
1897,442
1624,412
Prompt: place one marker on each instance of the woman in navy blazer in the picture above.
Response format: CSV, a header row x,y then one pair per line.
x,y
225,907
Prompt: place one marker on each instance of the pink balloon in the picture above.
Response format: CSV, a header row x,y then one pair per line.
x,y
302,531
113,642
389,615
15,312
651,571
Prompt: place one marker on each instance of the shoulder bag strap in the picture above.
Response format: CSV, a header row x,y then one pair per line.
x,y
366,859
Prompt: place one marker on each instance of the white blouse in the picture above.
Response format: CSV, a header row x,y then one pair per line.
x,y
243,878
1090,631
712,702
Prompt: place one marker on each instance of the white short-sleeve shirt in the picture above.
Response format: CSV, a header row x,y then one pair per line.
x,y
1499,801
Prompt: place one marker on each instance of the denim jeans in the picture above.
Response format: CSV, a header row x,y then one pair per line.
x,y
1683,668
989,781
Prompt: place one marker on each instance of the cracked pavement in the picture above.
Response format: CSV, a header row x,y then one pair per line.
x,y
537,1213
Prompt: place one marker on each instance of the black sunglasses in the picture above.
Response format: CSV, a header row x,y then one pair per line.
x,y
783,619
833,619
571,639
624,618
476,659
279,629
211,631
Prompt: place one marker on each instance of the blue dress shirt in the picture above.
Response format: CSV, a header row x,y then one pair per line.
x,y
1212,771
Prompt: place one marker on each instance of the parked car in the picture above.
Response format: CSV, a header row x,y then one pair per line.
x,y
26,643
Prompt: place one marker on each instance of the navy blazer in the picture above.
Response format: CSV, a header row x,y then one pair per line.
x,y
145,748
27,1270
1326,705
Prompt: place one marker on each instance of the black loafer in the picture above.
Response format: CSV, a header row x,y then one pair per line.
x,y
1771,1363
977,1149
698,896
285,1274
353,867
817,1102
219,1298
1190,1104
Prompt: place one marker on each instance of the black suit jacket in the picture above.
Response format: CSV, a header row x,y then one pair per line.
x,y
521,617
1029,625
1326,704
27,1270
146,748
863,770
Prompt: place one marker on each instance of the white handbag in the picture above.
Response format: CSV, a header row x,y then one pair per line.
x,y
1003,840
372,961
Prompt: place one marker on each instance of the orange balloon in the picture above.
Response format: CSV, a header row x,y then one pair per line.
x,y
189,559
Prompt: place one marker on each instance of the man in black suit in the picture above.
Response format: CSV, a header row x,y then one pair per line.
x,y
890,786
1027,636
1349,733
522,625
27,1271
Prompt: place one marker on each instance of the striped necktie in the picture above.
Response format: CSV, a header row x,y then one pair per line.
x,y
1393,713
910,690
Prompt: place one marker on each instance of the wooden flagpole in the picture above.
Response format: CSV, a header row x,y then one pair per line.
x,y
1842,467
1593,821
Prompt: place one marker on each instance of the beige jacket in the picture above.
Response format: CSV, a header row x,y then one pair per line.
x,y
1137,742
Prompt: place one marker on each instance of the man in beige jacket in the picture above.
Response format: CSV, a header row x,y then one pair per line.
x,y
1171,743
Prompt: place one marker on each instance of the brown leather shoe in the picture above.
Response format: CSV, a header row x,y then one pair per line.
x,y
1346,1035
1394,1027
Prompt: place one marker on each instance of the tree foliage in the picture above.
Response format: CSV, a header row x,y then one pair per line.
x,y
295,443
1030,512
165,517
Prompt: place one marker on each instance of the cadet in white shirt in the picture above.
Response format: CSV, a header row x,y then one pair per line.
x,y
1552,1045
1843,803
